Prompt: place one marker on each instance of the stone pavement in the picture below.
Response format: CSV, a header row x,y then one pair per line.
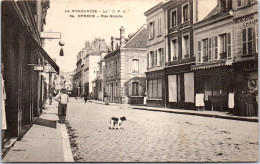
x,y
45,141
215,114
150,136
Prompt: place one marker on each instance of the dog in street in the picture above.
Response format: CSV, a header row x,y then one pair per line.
x,y
115,122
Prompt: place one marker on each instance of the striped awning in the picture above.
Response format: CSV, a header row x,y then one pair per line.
x,y
211,65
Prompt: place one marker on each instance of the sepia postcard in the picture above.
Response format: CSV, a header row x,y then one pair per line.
x,y
129,81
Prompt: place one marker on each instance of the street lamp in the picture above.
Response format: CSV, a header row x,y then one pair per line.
x,y
61,43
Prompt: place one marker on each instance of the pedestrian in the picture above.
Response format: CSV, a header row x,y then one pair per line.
x,y
50,98
85,97
63,100
106,99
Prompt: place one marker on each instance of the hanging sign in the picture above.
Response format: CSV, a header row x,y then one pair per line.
x,y
38,68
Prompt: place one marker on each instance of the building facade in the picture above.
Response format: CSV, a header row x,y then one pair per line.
x,y
180,57
245,65
125,68
155,89
213,42
22,51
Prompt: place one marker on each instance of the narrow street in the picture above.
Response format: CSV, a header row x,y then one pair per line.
x,y
149,136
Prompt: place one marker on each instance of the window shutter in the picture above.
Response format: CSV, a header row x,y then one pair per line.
x,y
199,51
253,39
153,28
244,41
147,60
228,45
216,47
163,56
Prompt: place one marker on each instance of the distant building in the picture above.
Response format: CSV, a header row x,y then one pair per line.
x,y
125,68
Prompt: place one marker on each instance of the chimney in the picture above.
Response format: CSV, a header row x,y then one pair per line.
x,y
122,36
112,43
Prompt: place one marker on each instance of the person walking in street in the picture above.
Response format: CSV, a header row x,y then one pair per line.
x,y
85,97
63,100
50,98
106,99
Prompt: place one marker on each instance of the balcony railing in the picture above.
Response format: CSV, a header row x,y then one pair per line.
x,y
223,55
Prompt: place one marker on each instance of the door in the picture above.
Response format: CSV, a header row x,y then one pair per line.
x,y
180,88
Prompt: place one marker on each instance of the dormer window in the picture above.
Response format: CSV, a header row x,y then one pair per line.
x,y
225,5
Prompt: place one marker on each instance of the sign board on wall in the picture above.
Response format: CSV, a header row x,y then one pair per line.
x,y
38,68
50,35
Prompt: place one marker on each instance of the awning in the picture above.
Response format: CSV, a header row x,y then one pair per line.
x,y
210,65
44,53
34,42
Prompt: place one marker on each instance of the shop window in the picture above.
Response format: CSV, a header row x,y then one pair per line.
x,y
199,51
135,86
135,65
151,30
185,13
248,41
174,18
174,49
205,50
155,88
185,46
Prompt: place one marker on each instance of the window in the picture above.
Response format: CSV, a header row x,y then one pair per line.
x,y
238,3
155,58
155,88
159,27
116,66
174,49
151,59
256,39
185,13
148,58
215,47
199,51
135,67
205,50
161,57
158,57
151,30
185,46
174,18
222,46
225,5
135,89
249,40
228,45
210,54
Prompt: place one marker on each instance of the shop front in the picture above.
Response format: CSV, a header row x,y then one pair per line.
x,y
155,88
180,87
216,83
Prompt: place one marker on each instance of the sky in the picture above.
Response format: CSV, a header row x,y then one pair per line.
x,y
76,30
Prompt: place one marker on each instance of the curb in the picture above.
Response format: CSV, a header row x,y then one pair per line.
x,y
204,115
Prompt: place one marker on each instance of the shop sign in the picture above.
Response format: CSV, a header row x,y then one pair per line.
x,y
248,20
38,68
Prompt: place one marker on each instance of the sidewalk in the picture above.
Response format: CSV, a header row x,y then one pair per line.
x,y
46,141
215,114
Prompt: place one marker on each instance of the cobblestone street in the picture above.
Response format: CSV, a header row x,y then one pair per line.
x,y
149,136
